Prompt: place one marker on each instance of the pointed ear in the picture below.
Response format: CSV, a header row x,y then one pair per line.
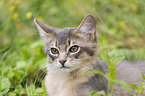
x,y
44,29
87,28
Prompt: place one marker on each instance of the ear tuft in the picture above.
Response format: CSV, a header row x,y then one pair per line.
x,y
44,29
87,28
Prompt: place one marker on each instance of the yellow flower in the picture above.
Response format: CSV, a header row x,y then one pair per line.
x,y
12,8
15,15
122,24
40,18
28,15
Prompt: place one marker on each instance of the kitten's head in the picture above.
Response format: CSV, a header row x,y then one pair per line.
x,y
69,49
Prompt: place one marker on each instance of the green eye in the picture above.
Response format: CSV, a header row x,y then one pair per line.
x,y
54,51
74,48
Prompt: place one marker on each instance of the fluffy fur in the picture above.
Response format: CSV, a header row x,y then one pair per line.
x,y
63,78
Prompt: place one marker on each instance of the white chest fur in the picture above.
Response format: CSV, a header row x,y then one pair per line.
x,y
55,83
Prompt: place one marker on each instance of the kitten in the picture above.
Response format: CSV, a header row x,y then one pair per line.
x,y
70,52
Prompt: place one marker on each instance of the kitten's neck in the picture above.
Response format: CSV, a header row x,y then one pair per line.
x,y
94,65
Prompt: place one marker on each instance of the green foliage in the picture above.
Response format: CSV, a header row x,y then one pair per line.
x,y
32,91
94,93
4,85
111,76
22,61
93,71
21,67
140,87
131,55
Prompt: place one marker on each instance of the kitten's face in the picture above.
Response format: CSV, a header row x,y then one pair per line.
x,y
68,52
69,49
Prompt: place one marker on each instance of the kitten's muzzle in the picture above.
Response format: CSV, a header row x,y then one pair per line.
x,y
62,62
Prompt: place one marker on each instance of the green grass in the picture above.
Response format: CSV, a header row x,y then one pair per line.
x,y
120,27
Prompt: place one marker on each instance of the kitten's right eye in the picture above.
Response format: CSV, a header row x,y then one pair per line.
x,y
74,48
54,51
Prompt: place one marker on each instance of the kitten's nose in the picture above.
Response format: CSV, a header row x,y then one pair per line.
x,y
62,61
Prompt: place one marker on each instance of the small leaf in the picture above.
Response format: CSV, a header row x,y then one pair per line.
x,y
112,71
123,84
133,86
141,83
95,93
39,90
106,58
101,93
143,76
117,60
43,85
30,89
93,71
20,64
100,40
5,85
6,53
25,53
11,94
143,87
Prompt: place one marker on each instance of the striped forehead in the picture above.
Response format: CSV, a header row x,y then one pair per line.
x,y
63,36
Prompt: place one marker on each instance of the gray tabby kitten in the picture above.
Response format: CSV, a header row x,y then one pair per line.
x,y
70,52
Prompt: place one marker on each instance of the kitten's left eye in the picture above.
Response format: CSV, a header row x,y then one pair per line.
x,y
74,48
54,51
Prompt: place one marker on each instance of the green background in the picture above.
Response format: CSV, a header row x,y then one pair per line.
x,y
120,27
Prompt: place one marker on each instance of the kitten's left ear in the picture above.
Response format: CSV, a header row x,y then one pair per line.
x,y
47,33
87,28
44,29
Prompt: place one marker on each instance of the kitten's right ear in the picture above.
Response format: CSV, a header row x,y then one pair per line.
x,y
87,29
44,29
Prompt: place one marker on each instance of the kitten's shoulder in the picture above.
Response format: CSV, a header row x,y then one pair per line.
x,y
97,82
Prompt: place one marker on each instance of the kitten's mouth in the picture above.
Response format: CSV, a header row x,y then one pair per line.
x,y
64,67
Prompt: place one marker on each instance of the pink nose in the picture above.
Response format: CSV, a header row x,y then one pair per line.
x,y
62,61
